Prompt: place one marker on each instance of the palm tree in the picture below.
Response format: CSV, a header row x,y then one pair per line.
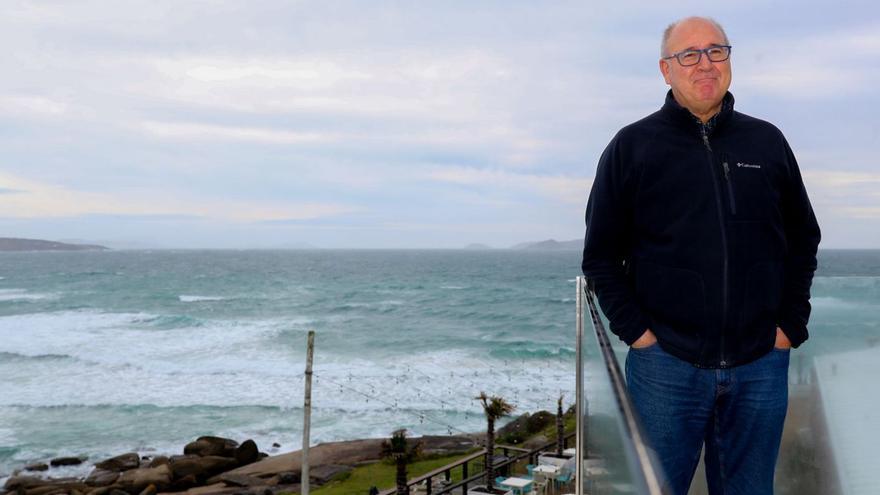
x,y
495,408
560,428
402,454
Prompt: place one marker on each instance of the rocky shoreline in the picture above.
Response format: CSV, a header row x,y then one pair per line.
x,y
214,465
220,466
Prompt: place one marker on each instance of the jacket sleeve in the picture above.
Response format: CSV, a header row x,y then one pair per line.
x,y
802,238
607,242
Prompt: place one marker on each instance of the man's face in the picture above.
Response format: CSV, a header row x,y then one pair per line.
x,y
701,87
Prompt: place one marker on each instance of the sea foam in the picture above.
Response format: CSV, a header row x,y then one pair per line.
x,y
21,295
187,298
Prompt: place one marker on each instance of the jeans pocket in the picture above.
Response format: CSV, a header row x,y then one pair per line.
x,y
646,348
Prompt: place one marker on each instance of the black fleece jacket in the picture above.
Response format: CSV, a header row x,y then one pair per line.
x,y
702,233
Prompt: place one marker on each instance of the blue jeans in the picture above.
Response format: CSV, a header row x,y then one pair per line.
x,y
737,412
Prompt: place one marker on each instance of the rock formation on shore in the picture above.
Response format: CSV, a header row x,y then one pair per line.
x,y
218,466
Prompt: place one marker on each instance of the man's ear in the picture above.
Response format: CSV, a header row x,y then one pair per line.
x,y
664,69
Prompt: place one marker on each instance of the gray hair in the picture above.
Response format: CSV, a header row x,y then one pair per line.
x,y
668,31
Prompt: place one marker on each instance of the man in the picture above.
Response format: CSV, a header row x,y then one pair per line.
x,y
701,246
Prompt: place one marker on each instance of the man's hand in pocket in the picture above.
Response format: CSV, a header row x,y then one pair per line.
x,y
782,341
646,340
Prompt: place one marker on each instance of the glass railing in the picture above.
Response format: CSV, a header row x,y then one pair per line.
x,y
615,457
829,442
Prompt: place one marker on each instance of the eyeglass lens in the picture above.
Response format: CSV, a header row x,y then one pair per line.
x,y
715,54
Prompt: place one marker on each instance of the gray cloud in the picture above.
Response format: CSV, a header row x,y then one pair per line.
x,y
317,116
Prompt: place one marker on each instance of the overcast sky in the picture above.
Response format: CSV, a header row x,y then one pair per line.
x,y
392,124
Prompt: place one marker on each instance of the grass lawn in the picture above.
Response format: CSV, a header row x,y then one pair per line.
x,y
381,475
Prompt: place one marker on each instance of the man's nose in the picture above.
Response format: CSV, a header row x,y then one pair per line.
x,y
705,63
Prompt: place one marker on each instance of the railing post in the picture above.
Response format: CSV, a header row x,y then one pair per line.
x,y
307,414
430,485
464,476
579,383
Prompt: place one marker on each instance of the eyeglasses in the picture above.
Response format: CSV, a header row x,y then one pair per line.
x,y
686,58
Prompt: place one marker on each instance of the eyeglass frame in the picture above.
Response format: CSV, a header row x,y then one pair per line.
x,y
700,56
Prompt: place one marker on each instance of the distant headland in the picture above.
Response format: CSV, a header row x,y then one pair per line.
x,y
575,244
549,244
16,244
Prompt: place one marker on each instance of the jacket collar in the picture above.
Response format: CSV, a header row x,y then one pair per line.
x,y
684,117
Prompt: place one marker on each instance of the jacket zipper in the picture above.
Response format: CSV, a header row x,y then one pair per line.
x,y
729,183
709,155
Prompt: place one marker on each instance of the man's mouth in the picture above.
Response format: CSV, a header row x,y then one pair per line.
x,y
706,81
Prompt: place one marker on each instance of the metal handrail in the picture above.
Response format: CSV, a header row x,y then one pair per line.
x,y
636,443
437,472
476,477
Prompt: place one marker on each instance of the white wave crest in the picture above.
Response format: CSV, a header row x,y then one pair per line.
x,y
141,360
188,298
21,295
375,305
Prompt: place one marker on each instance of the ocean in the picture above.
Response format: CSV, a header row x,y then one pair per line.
x,y
103,353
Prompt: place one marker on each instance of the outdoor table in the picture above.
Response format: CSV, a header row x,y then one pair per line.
x,y
551,460
546,472
546,469
518,484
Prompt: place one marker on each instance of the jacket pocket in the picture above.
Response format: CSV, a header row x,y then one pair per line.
x,y
674,298
750,191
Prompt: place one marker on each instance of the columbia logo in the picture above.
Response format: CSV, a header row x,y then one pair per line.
x,y
747,165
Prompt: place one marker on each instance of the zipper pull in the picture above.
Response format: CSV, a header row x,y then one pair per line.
x,y
705,136
729,183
